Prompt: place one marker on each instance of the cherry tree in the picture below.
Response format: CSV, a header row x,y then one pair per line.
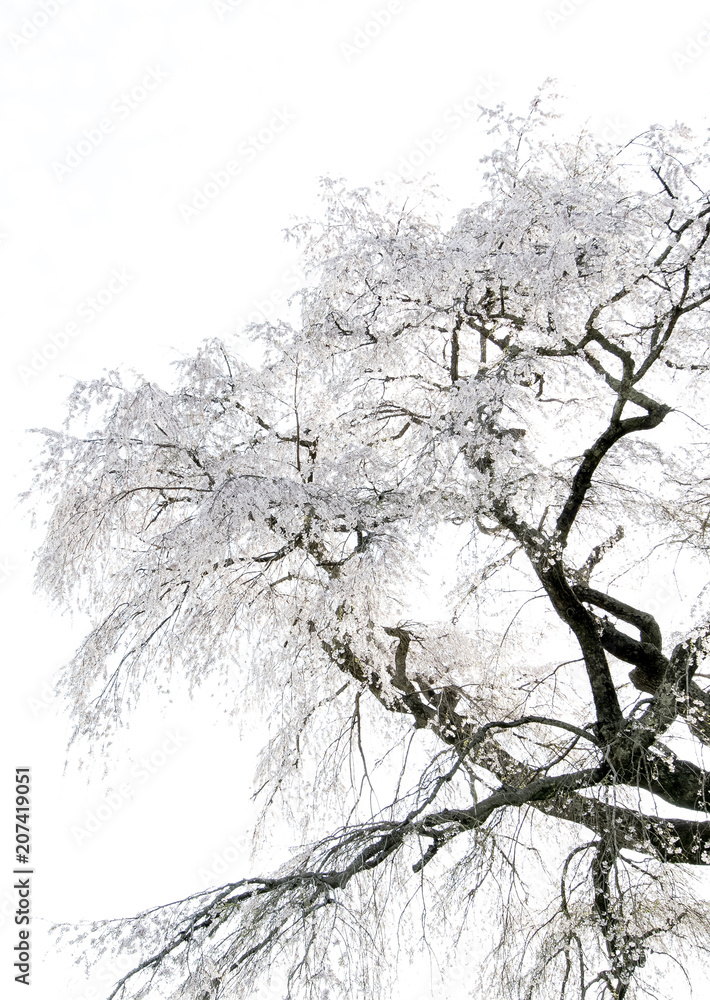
x,y
424,537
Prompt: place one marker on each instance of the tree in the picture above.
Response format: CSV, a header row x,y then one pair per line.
x,y
522,393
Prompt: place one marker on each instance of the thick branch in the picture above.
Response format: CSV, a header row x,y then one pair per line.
x,y
646,655
645,623
671,840
616,430
550,572
573,613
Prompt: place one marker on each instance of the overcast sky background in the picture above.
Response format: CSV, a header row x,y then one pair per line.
x,y
327,88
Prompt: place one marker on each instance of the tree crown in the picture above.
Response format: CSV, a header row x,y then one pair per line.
x,y
524,388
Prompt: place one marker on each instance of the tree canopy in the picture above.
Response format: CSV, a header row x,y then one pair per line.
x,y
424,535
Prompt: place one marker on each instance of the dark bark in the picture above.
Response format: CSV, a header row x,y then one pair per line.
x,y
601,447
571,610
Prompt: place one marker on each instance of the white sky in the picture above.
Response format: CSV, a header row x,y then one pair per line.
x,y
219,77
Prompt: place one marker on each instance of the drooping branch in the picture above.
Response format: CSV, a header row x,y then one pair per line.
x,y
355,851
